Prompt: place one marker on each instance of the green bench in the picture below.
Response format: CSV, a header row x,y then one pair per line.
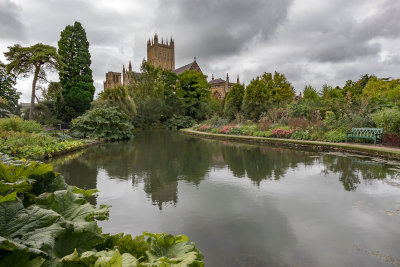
x,y
366,133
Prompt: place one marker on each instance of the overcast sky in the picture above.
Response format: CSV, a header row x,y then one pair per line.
x,y
310,41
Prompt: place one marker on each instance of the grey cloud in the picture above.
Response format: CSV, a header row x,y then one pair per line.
x,y
346,39
220,28
10,21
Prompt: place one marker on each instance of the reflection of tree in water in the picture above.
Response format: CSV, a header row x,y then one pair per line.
x,y
263,162
156,158
352,171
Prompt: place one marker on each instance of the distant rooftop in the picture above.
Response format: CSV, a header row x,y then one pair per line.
x,y
183,68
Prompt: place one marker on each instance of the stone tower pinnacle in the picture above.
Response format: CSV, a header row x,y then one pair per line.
x,y
161,55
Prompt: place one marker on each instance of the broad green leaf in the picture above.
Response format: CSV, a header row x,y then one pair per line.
x,y
85,192
21,258
71,206
33,227
9,197
129,261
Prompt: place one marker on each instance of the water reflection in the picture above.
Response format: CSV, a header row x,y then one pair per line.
x,y
159,159
245,205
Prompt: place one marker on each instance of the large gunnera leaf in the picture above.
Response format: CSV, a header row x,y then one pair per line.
x,y
33,227
82,232
24,176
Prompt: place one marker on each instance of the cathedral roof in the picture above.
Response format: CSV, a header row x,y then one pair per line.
x,y
219,80
183,68
191,66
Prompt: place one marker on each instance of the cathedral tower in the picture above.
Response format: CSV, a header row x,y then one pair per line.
x,y
161,54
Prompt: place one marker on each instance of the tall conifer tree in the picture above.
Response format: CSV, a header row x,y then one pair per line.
x,y
76,77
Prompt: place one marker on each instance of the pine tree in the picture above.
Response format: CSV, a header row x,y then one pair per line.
x,y
76,77
36,60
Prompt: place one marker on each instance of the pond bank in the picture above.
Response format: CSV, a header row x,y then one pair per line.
x,y
320,146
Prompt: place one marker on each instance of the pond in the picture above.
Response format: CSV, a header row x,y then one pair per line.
x,y
247,205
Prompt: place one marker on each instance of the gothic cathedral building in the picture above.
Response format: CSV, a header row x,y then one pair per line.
x,y
161,55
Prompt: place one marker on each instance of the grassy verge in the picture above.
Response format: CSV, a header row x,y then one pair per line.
x,y
384,152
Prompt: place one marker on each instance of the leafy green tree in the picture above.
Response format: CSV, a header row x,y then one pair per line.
x,y
193,90
148,93
34,59
265,91
76,77
387,89
233,101
8,93
309,93
52,92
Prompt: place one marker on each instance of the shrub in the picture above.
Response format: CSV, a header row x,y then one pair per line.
x,y
277,114
301,122
214,130
217,122
235,131
317,134
109,124
204,128
17,124
248,129
44,113
280,133
177,122
262,133
335,136
301,135
389,119
225,129
264,122
391,139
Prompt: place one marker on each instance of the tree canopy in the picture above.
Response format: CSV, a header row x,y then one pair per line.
x,y
233,101
36,60
193,90
264,91
76,76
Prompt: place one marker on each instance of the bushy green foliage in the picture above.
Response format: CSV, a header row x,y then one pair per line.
x,y
8,93
179,122
248,129
382,89
310,94
76,76
233,101
335,136
117,96
300,134
45,222
109,124
262,133
44,113
265,91
150,111
193,90
235,131
17,124
34,145
217,122
389,119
